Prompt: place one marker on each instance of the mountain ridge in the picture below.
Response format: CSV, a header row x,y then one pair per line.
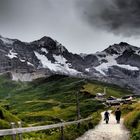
x,y
118,64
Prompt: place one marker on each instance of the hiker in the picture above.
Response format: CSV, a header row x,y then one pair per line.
x,y
118,115
106,116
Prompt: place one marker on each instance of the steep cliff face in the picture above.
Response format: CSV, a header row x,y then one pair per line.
x,y
118,64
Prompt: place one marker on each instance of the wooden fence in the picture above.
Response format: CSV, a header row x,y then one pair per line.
x,y
19,131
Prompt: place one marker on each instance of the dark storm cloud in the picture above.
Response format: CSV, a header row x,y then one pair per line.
x,y
118,16
5,10
30,20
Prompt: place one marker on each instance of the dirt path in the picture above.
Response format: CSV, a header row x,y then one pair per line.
x,y
111,131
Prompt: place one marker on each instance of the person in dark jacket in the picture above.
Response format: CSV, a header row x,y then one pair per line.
x,y
106,116
118,115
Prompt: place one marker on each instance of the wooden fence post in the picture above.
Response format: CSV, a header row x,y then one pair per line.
x,y
62,132
78,108
20,135
14,135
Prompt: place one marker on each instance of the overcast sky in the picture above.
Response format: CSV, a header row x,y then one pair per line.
x,y
82,26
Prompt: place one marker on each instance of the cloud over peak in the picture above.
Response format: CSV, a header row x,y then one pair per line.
x,y
117,16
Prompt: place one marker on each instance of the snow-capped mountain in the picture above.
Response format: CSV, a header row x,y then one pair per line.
x,y
118,55
27,61
118,64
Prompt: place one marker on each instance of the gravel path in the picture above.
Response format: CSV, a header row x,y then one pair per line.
x,y
111,131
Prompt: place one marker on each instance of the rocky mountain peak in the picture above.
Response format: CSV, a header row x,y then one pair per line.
x,y
120,48
124,44
47,41
52,46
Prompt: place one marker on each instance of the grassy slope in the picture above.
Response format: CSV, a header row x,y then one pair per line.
x,y
112,90
132,120
47,101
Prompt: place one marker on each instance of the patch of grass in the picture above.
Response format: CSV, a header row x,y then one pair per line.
x,y
111,90
6,118
132,121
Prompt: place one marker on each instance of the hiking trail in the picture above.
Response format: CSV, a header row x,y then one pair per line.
x,y
103,131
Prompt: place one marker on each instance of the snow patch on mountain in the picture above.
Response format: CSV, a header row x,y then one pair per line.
x,y
22,60
12,54
111,61
87,69
30,64
60,59
56,67
44,61
44,50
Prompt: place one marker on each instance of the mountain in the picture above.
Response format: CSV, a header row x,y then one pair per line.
x,y
118,64
27,61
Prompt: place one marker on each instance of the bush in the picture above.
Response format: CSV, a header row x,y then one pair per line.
x,y
135,134
132,120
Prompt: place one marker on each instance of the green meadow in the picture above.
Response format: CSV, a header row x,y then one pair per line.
x,y
52,100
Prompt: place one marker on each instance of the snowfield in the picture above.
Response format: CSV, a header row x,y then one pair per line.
x,y
111,61
59,66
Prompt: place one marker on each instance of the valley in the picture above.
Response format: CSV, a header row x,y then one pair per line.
x,y
52,100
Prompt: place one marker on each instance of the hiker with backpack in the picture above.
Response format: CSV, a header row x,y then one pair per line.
x,y
118,115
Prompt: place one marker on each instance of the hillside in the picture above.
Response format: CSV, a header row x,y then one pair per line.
x,y
132,120
52,100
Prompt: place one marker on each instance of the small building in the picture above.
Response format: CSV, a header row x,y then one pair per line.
x,y
128,97
111,98
100,95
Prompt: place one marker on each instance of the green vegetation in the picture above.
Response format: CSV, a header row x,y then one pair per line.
x,y
5,118
94,87
52,100
132,120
